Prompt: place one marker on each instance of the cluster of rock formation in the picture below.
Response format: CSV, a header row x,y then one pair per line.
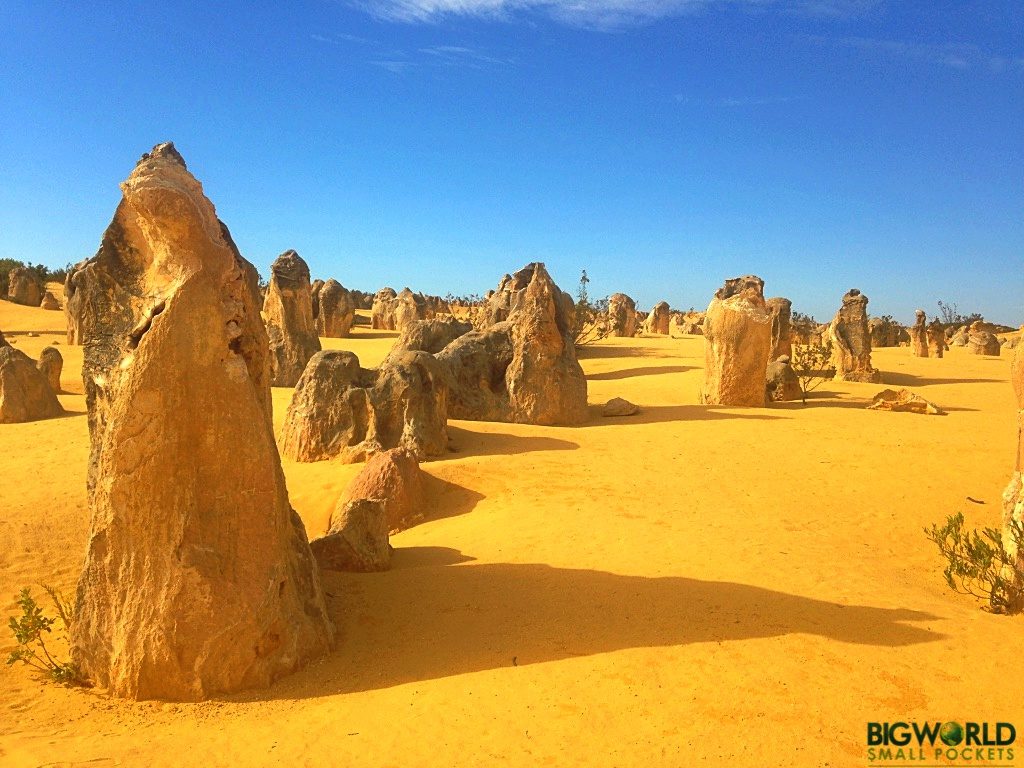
x,y
198,577
341,410
521,365
686,324
28,390
395,311
851,340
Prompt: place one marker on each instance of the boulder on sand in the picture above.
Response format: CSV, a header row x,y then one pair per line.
x,y
51,365
24,287
781,382
357,540
903,400
394,478
335,310
25,391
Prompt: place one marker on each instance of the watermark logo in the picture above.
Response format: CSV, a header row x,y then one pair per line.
x,y
937,743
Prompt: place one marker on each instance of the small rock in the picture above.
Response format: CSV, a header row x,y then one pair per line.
x,y
904,400
619,407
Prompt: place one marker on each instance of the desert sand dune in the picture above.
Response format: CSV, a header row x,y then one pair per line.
x,y
689,585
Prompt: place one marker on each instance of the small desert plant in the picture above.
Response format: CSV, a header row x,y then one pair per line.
x,y
29,630
978,564
950,314
812,364
591,321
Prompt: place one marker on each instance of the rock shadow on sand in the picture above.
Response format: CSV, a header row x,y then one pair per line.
x,y
435,615
660,414
908,380
629,373
602,352
466,442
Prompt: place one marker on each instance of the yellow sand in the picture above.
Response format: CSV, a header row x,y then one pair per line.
x,y
691,585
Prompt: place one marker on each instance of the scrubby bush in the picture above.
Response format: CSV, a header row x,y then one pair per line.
x,y
812,364
978,564
591,317
29,632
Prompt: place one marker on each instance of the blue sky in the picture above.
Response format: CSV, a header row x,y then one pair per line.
x,y
663,145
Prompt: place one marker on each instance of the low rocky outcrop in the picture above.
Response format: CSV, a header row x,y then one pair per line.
x,y
357,539
982,341
49,302
618,406
903,400
394,478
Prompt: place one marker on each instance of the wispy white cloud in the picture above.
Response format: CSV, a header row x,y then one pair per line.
x,y
963,56
461,56
599,14
341,39
735,101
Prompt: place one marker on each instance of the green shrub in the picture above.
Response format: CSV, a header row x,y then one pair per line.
x,y
979,565
29,630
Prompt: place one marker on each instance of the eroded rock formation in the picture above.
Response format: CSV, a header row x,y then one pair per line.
x,y
781,382
903,400
657,321
782,336
288,310
335,310
621,315
936,336
23,287
919,335
851,341
737,344
382,313
49,302
198,577
51,365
